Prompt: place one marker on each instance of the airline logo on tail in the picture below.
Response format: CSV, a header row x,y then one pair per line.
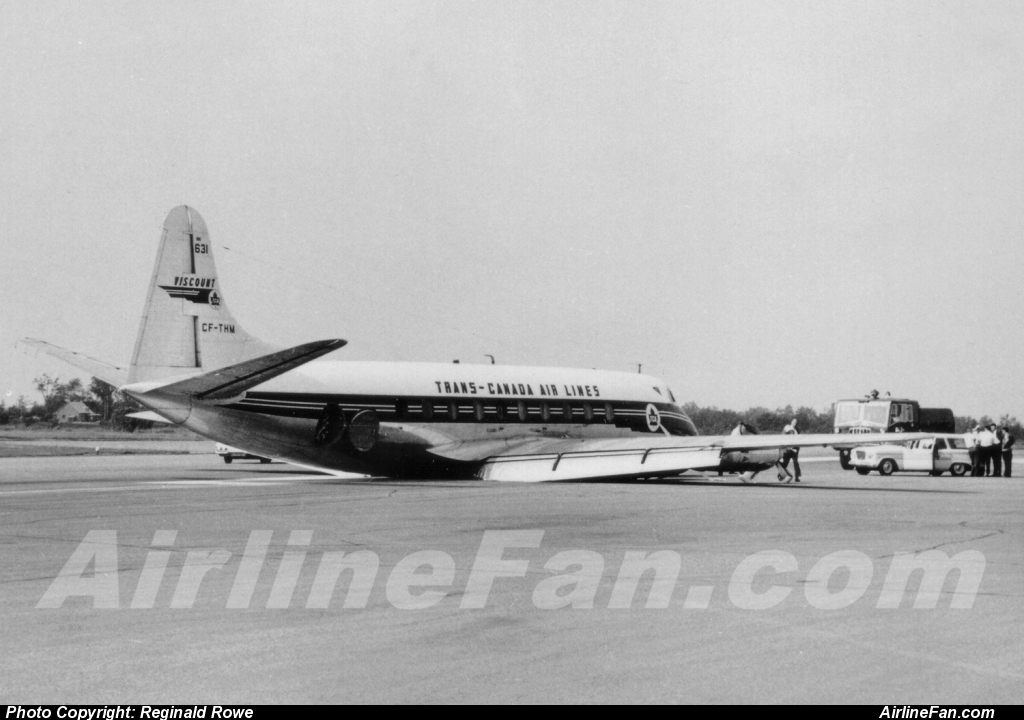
x,y
194,289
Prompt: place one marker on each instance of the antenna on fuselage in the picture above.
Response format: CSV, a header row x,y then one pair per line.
x,y
639,367
491,357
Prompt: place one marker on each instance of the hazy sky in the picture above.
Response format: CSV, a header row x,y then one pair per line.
x,y
765,203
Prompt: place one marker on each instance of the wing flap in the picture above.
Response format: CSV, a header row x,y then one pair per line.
x,y
597,464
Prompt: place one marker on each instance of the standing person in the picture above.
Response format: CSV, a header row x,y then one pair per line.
x,y
744,428
997,451
740,429
986,442
791,453
971,440
1007,451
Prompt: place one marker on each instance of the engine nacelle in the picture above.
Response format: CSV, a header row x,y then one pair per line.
x,y
359,434
363,430
740,461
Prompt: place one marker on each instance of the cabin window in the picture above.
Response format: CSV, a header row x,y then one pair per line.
x,y
588,412
521,409
478,411
427,410
499,411
566,412
545,412
401,409
609,413
453,410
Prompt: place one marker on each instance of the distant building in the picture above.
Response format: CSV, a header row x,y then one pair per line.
x,y
76,411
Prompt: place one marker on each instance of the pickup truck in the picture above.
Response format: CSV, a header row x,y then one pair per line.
x,y
932,455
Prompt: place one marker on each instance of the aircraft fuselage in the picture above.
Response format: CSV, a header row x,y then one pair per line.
x,y
431,418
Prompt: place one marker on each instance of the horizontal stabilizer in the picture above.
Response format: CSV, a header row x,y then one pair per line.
x,y
111,374
151,416
230,381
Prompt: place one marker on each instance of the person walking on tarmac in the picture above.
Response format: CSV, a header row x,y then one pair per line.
x,y
790,453
1007,451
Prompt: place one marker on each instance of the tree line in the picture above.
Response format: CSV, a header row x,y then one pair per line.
x,y
104,399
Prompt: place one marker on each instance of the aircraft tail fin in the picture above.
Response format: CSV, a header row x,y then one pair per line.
x,y
186,325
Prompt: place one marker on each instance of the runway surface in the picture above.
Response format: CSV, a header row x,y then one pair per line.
x,y
708,644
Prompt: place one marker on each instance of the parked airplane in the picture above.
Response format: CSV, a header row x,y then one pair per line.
x,y
194,365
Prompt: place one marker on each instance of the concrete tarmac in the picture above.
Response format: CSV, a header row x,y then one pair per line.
x,y
738,546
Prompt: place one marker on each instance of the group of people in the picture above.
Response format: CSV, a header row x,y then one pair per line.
x,y
991,450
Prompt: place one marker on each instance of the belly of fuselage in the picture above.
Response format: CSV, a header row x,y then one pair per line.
x,y
400,449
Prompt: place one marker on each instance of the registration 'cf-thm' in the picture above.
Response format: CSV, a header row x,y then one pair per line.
x,y
194,365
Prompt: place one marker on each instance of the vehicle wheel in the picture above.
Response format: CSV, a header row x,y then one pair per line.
x,y
887,467
844,460
264,461
863,471
227,459
958,469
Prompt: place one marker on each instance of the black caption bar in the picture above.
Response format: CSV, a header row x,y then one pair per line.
x,y
129,712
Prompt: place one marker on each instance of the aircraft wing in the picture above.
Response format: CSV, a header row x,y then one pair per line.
x,y
761,442
595,459
554,459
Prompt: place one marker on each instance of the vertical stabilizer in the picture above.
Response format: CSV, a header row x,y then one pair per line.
x,y
186,325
